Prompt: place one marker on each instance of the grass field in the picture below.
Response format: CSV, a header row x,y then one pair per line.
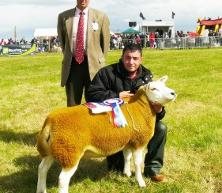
x,y
30,89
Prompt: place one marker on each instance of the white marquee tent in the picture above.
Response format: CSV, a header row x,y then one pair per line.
x,y
152,26
45,33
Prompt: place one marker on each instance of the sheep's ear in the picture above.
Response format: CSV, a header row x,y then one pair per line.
x,y
164,78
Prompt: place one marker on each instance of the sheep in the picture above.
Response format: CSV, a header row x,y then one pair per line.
x,y
68,133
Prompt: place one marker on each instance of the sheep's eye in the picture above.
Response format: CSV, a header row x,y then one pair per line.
x,y
153,89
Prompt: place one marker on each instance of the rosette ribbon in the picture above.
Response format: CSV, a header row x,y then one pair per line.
x,y
119,119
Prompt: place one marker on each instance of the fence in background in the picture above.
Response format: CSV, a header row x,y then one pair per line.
x,y
173,43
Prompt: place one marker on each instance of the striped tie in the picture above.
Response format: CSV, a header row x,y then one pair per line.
x,y
79,51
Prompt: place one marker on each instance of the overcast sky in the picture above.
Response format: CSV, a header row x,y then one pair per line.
x,y
27,15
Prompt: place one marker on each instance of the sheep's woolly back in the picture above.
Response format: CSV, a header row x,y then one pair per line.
x,y
69,132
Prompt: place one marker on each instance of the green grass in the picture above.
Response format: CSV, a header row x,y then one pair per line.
x,y
30,89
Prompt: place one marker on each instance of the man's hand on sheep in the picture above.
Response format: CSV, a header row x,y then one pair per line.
x,y
125,94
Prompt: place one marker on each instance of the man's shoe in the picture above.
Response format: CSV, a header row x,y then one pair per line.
x,y
157,178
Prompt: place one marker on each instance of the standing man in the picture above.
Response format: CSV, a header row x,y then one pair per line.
x,y
122,80
84,36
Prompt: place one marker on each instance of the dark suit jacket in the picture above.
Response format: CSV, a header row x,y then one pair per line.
x,y
97,41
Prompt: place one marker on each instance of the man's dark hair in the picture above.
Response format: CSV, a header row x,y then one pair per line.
x,y
132,47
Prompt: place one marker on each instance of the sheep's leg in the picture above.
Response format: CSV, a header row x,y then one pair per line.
x,y
42,173
127,157
138,159
64,178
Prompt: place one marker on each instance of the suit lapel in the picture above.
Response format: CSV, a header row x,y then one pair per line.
x,y
69,27
89,24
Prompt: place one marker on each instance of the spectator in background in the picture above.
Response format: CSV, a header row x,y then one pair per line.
x,y
138,39
220,35
152,39
2,41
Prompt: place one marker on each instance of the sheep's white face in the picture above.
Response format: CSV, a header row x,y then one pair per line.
x,y
158,92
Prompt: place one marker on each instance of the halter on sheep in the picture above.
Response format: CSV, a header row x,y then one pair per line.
x,y
69,132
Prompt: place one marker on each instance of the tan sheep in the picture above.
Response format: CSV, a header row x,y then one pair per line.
x,y
69,133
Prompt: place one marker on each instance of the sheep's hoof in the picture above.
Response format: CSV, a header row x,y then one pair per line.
x,y
41,191
127,173
142,184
